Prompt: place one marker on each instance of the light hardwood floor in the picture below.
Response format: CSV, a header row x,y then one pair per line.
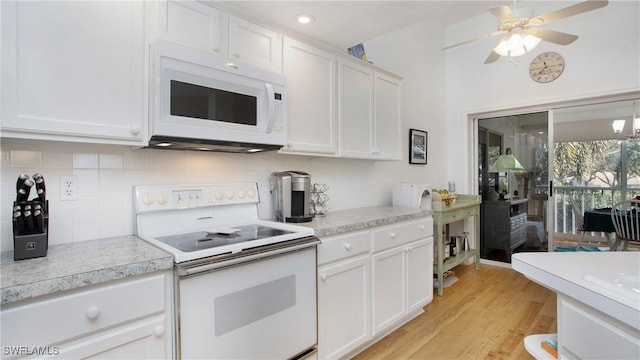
x,y
485,315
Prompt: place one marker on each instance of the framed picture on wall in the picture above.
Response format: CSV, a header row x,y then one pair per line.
x,y
417,146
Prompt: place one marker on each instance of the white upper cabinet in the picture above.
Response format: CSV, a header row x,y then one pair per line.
x,y
369,113
311,81
74,71
194,24
387,117
253,44
355,110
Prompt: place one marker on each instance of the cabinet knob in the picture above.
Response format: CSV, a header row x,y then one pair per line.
x,y
422,227
93,313
323,277
392,235
135,130
158,330
347,246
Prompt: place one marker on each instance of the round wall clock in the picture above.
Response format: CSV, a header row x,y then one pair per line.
x,y
546,67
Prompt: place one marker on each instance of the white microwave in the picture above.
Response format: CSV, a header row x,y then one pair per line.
x,y
204,102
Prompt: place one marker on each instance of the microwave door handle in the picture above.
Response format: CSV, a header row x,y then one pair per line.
x,y
271,117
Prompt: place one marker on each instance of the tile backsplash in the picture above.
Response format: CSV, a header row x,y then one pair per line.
x,y
105,178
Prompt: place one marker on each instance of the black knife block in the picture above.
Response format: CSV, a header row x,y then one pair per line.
x,y
32,245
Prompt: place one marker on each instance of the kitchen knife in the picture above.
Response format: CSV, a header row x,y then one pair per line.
x,y
29,226
39,182
41,195
21,179
38,221
25,189
23,195
19,221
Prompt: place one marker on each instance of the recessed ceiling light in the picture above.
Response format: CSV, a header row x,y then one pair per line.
x,y
305,19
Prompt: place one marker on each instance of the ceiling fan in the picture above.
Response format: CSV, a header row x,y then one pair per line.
x,y
522,30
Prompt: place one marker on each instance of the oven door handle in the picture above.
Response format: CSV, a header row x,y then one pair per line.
x,y
239,260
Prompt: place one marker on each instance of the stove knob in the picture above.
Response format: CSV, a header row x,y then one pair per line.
x,y
163,198
241,194
148,198
251,193
229,194
218,195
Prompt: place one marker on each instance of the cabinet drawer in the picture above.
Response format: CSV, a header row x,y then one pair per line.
x,y
394,235
342,246
59,318
587,333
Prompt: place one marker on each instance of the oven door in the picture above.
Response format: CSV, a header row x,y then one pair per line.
x,y
254,310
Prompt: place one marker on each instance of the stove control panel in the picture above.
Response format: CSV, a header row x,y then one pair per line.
x,y
158,197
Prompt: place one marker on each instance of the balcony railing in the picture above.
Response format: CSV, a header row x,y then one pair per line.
x,y
586,198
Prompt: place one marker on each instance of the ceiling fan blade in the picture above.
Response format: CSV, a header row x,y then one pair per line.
x,y
481,37
576,9
493,57
553,36
503,13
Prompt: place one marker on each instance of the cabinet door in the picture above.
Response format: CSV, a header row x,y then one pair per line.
x,y
311,82
419,273
387,117
74,70
253,44
344,306
389,287
355,103
586,333
194,24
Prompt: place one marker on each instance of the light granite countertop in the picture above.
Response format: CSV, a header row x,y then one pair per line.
x,y
73,265
342,221
70,266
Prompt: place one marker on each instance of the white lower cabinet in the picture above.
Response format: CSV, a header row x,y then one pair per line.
x,y
586,333
370,282
402,282
124,319
344,294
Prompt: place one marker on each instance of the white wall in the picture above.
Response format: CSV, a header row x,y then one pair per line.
x,y
604,60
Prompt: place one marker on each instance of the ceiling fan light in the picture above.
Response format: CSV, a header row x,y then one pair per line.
x,y
618,126
502,49
531,41
516,45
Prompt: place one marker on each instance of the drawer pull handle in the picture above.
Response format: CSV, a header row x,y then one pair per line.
x,y
323,277
93,313
158,330
347,246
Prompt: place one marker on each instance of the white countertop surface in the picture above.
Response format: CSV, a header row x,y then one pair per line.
x,y
564,272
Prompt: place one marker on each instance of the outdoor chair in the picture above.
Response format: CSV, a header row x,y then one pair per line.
x,y
626,220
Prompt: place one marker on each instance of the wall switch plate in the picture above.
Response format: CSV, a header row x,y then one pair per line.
x,y
68,187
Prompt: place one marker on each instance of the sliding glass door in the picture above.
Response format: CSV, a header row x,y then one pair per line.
x,y
514,183
571,161
594,167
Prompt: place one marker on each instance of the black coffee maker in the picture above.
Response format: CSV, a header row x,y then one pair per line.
x,y
290,194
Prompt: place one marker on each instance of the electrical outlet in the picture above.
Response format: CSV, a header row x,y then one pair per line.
x,y
68,187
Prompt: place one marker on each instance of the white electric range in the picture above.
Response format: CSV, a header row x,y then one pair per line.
x,y
259,275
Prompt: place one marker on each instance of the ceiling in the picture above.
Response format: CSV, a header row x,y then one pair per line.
x,y
342,24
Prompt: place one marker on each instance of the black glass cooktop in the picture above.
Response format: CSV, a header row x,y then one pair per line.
x,y
203,240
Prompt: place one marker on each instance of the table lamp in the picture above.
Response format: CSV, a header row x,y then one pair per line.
x,y
506,163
